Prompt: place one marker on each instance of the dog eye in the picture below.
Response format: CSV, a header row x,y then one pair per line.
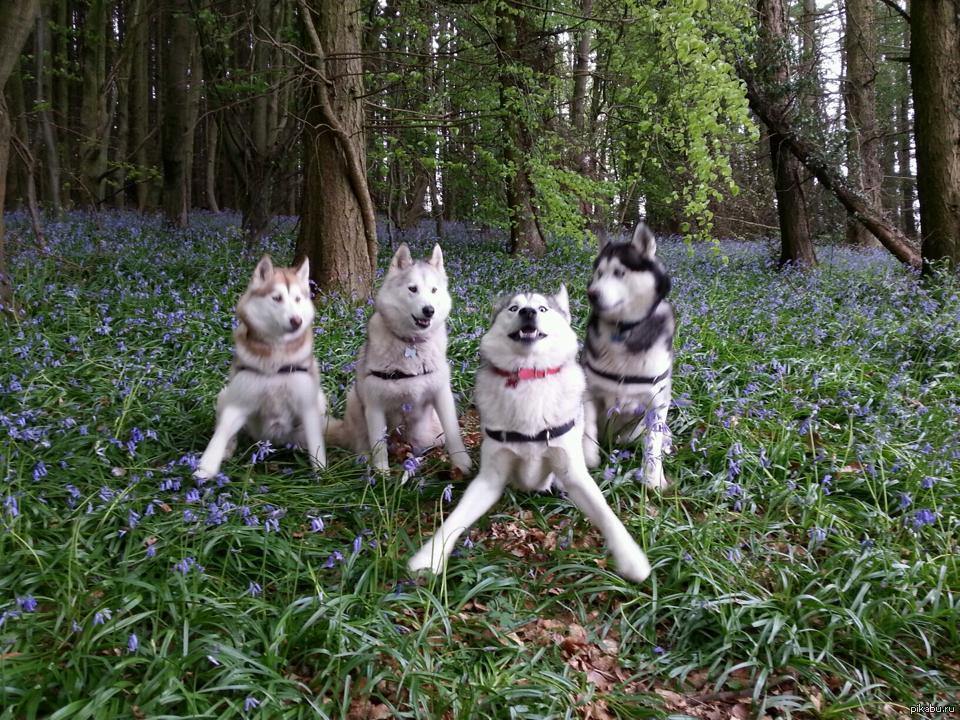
x,y
434,291
513,308
618,273
296,299
542,309
412,288
278,298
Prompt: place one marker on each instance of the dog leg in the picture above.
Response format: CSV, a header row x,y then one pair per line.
x,y
653,447
230,419
583,492
377,433
591,439
481,494
447,411
312,419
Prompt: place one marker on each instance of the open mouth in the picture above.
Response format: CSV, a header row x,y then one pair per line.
x,y
526,334
422,323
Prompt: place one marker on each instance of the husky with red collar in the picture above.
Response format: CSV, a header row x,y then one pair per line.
x,y
274,388
529,391
628,354
402,389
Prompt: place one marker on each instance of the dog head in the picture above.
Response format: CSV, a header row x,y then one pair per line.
x,y
628,279
530,329
414,297
277,304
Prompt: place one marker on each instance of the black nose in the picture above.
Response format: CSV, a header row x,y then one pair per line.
x,y
296,322
428,311
528,313
593,296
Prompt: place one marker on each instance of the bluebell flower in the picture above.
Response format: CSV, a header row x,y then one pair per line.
x,y
151,551
657,650
11,506
254,589
250,703
133,643
928,482
39,470
316,524
27,603
357,544
101,616
817,535
447,493
734,555
905,500
411,464
336,557
8,615
923,516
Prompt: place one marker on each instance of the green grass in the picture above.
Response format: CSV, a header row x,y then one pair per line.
x,y
775,586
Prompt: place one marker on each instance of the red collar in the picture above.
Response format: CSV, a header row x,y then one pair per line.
x,y
515,376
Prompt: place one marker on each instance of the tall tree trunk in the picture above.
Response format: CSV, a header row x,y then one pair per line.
x,y
213,135
517,42
93,107
935,68
16,22
908,218
860,95
42,50
176,128
338,229
796,245
138,31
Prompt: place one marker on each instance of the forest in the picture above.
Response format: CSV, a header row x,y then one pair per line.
x,y
799,164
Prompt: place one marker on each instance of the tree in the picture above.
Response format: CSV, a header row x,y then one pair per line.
x,y
180,85
16,22
796,245
338,229
860,96
935,69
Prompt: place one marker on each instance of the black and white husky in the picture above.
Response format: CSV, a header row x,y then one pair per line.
x,y
529,391
628,355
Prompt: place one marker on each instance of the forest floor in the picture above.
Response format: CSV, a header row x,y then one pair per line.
x,y
806,559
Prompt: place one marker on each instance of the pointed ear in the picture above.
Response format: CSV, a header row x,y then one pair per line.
x,y
603,239
644,241
436,259
303,272
561,301
401,258
262,272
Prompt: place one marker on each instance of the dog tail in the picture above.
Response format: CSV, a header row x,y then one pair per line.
x,y
336,434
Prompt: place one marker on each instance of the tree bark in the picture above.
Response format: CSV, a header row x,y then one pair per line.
x,y
138,30
774,116
796,245
93,108
338,229
860,96
517,45
44,97
16,22
176,128
908,218
213,134
935,68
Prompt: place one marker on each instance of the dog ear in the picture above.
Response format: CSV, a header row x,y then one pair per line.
x,y
560,301
644,241
262,272
436,259
401,258
303,271
603,239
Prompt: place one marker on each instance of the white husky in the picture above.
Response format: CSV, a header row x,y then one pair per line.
x,y
530,391
402,389
274,388
628,355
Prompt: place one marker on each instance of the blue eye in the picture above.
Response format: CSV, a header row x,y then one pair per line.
x,y
513,308
542,308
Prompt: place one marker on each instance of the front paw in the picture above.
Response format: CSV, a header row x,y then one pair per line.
x,y
205,472
633,566
655,478
591,454
422,561
461,461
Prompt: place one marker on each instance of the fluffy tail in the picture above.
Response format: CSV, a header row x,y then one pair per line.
x,y
336,434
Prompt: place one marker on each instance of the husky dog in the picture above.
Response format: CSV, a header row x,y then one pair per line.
x,y
530,391
402,387
274,388
628,356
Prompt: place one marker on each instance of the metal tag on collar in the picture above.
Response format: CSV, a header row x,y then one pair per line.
x,y
410,351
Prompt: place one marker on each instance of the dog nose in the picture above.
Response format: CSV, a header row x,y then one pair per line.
x,y
528,313
593,296
296,322
428,311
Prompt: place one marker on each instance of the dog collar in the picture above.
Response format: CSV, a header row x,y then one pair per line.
x,y
506,436
284,370
396,374
623,329
629,379
515,376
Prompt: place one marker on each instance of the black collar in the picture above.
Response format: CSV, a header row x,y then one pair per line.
x,y
284,370
506,436
622,329
629,379
397,374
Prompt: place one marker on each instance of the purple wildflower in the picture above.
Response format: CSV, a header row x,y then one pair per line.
x,y
250,703
133,643
254,589
101,616
39,470
923,516
448,494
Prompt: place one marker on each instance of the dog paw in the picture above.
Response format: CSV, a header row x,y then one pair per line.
x,y
634,567
204,473
462,462
591,455
656,480
422,562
